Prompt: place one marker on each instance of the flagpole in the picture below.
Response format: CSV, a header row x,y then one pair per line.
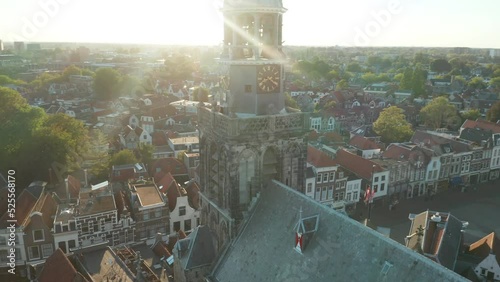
x,y
371,193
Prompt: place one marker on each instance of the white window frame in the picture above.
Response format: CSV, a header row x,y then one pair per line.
x,y
47,250
30,252
184,209
43,235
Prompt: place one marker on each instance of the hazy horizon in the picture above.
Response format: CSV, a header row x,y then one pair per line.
x,y
315,23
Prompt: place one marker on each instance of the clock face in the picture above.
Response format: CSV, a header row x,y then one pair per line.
x,y
268,78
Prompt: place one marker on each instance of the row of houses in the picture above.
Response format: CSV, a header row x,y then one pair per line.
x,y
428,163
73,218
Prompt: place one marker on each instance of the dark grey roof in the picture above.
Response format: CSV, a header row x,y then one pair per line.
x,y
340,250
36,188
429,138
197,249
365,131
441,241
3,182
475,134
450,243
310,172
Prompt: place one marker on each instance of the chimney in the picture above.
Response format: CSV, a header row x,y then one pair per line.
x,y
67,188
158,237
86,178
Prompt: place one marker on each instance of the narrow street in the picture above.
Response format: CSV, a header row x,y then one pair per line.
x,y
480,207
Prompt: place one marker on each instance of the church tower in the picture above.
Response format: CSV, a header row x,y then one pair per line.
x,y
249,136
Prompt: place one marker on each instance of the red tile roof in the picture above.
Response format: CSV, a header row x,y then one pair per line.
x,y
58,268
182,235
119,202
163,180
172,239
47,206
333,137
313,135
356,164
170,187
24,204
363,143
138,130
396,152
74,186
170,165
485,245
483,124
318,158
161,249
193,192
159,138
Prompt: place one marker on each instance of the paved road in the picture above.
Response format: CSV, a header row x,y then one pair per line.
x,y
480,207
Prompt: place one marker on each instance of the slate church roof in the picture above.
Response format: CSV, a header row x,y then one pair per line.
x,y
340,250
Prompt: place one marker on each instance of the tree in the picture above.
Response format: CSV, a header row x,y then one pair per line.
x,y
181,156
440,66
477,83
493,113
106,83
419,78
34,142
321,106
179,67
290,102
439,113
354,67
4,80
460,79
123,157
398,77
131,86
146,152
496,73
421,58
74,132
406,80
100,170
369,78
200,94
71,70
343,84
471,114
495,83
392,126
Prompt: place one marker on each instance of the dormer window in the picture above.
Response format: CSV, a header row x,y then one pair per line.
x,y
386,267
304,230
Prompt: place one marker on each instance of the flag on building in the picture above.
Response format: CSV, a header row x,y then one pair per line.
x,y
369,193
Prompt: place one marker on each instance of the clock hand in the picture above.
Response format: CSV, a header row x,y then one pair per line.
x,y
270,78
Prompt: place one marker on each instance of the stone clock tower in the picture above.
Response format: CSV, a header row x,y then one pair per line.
x,y
249,137
252,50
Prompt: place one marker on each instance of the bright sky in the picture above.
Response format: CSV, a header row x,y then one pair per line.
x,y
443,23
